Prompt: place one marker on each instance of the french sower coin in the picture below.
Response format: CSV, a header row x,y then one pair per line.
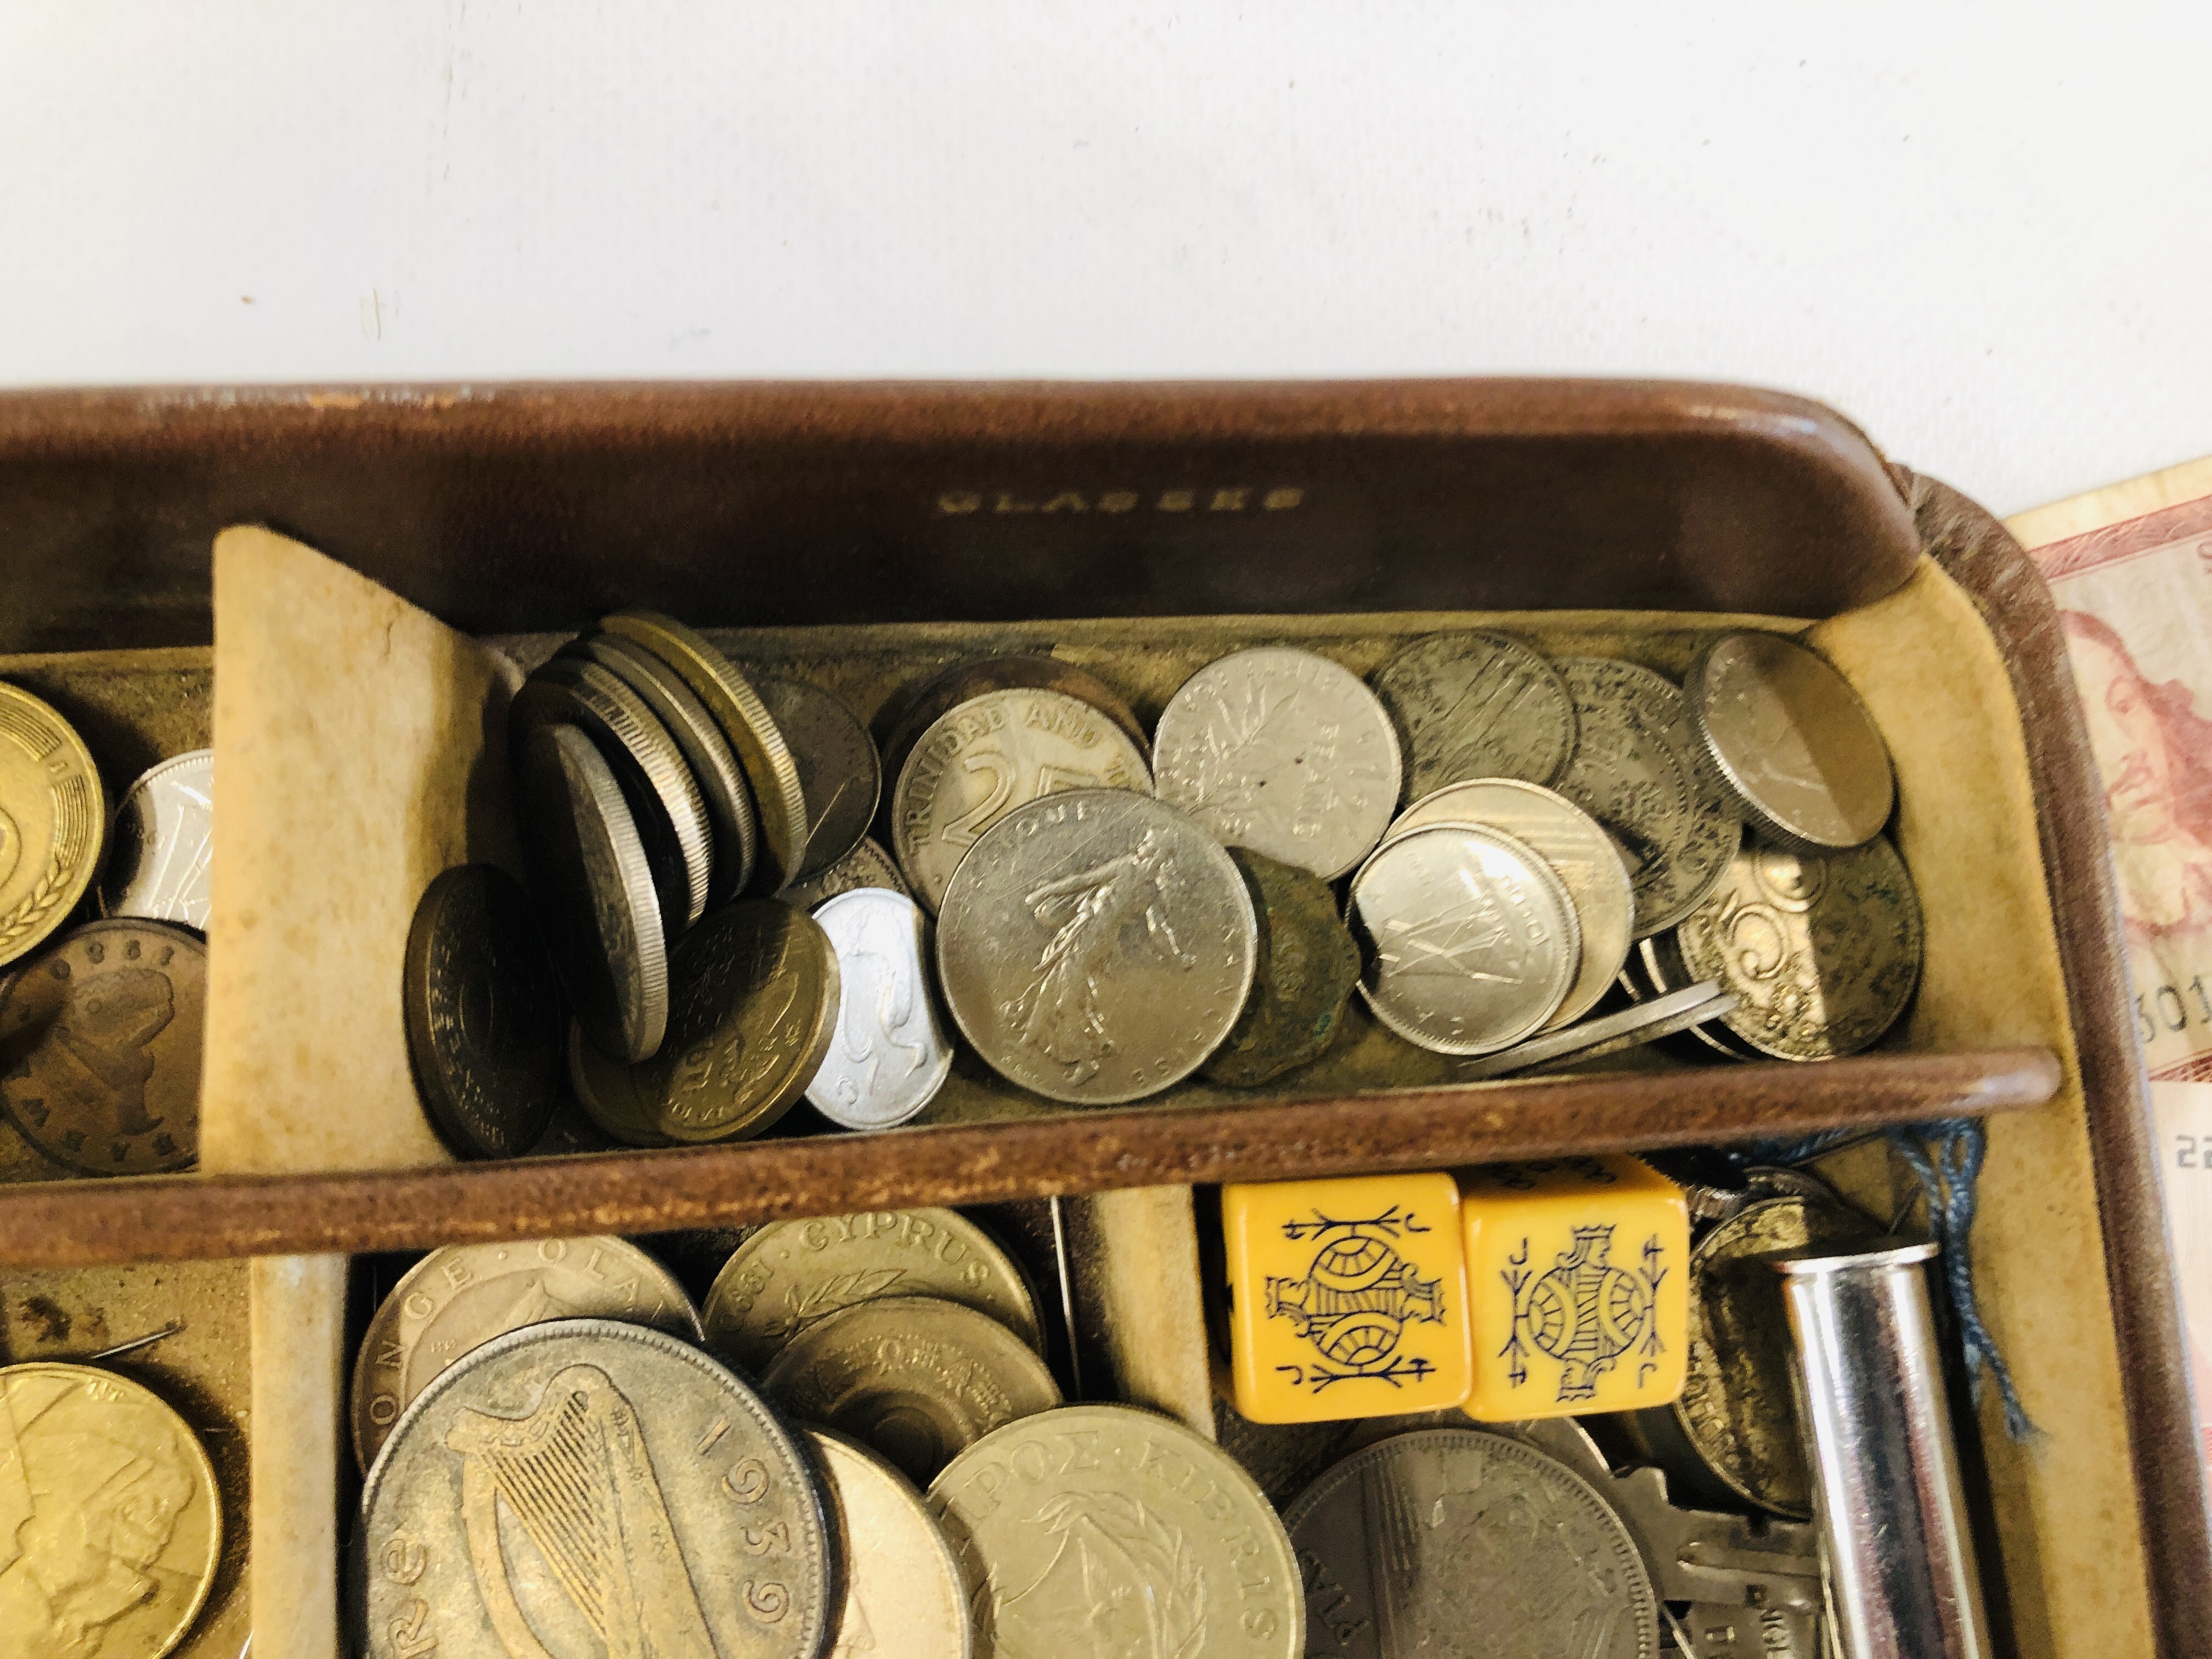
x,y
891,1053
1308,968
114,1526
1097,947
1106,1531
1282,751
589,1487
993,755
866,865
963,682
484,1020
459,1297
1792,741
1477,705
902,1589
839,773
100,1048
916,1380
53,821
1470,938
162,848
1450,1540
789,1274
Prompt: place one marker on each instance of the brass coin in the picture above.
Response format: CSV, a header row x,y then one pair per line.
x,y
866,865
964,682
915,1379
791,1273
484,1013
839,774
1308,968
902,1592
457,1298
588,1487
745,721
752,1005
1477,705
161,853
1104,1529
53,821
113,1527
611,1093
100,1048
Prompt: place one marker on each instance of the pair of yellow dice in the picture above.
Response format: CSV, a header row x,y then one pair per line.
x,y
1516,1290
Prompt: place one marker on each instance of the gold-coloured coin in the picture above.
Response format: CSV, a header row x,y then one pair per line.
x,y
53,819
791,1273
902,1589
110,1528
610,1094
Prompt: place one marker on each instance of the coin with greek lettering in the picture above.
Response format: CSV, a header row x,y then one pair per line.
x,y
902,1592
53,821
114,1522
839,773
588,1487
866,865
1282,751
989,756
1308,968
891,1053
1015,671
790,1273
1452,1540
916,1379
457,1298
161,850
1097,947
1477,705
1107,1530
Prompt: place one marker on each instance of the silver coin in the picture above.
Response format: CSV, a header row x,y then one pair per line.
x,y
1609,1034
587,1486
990,756
1639,770
1657,967
839,774
1282,751
1470,938
1097,947
1576,847
1477,706
866,865
890,1053
901,1591
1452,1541
162,846
1791,740
589,869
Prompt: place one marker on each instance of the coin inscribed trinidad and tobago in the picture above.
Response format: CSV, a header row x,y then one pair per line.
x,y
964,682
902,1592
162,848
891,1053
1477,706
53,821
839,774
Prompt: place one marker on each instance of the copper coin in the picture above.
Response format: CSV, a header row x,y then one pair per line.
x,y
839,775
1308,968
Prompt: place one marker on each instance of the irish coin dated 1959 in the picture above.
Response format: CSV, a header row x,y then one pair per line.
x,y
993,755
1097,1532
1471,939
456,1299
1097,947
891,1053
1477,705
161,853
902,1592
1282,751
53,821
100,1048
590,1487
1307,969
839,773
1450,1540
866,865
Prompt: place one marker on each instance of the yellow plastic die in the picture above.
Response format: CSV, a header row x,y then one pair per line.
x,y
1348,1297
1578,1276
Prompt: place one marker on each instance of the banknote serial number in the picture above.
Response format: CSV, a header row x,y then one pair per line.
x,y
2172,1008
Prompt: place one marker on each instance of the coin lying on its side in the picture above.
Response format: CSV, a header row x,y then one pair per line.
x,y
1477,705
162,851
901,1591
1308,968
1608,1033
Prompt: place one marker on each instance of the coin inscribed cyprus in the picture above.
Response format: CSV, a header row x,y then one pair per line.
x,y
1477,706
162,850
53,821
890,1053
902,1592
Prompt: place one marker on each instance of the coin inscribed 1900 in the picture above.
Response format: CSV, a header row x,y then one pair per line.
x,y
1477,705
162,850
53,821
891,1053
902,1592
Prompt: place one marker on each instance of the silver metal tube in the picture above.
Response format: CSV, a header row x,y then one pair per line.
x,y
1885,1474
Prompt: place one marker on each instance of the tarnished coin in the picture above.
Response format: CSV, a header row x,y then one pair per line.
x,y
611,1093
1097,947
100,1048
1792,741
113,1524
839,773
707,752
1307,966
891,1053
1451,1541
991,756
162,848
747,723
1106,1531
963,682
1579,851
752,1000
1282,751
902,1592
590,1487
791,1273
1470,938
588,870
456,1299
1477,706
866,865
1609,1034
1638,769
53,821
1655,969
916,1379
1823,952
